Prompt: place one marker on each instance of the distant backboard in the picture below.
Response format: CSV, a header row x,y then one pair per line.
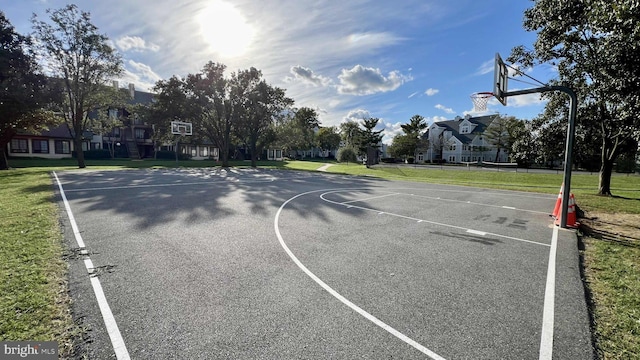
x,y
181,128
500,75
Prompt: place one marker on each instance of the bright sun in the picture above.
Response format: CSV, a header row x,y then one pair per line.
x,y
225,29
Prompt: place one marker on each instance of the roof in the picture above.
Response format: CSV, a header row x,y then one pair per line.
x,y
482,122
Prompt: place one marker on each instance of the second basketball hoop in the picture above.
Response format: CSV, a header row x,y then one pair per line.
x,y
480,100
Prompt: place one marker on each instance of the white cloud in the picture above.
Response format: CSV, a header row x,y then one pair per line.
x,y
431,92
139,74
444,108
390,131
524,100
412,95
361,80
135,43
486,67
356,115
307,76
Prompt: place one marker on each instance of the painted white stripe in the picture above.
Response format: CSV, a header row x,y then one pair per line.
x,y
367,199
476,232
224,180
72,220
426,221
341,298
475,203
109,320
546,337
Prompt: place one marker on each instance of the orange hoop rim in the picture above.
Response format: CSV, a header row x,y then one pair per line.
x,y
482,94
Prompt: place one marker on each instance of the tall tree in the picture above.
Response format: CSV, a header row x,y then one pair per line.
x,y
593,44
328,139
75,52
370,140
416,126
350,133
23,91
403,146
211,93
407,144
259,104
500,133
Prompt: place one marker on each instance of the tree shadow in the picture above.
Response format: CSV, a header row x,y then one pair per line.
x,y
154,197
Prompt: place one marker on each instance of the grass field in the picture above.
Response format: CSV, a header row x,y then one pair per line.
x,y
34,304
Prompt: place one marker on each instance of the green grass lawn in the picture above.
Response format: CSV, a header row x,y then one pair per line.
x,y
33,298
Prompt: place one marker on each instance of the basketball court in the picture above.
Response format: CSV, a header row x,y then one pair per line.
x,y
218,264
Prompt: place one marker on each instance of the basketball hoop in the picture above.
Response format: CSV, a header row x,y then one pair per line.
x,y
480,100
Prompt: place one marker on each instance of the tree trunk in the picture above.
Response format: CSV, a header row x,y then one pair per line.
x,y
497,155
4,163
77,143
604,186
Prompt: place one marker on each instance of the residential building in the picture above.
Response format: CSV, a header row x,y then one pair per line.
x,y
458,141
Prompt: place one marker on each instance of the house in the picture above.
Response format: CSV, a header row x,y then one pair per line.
x,y
55,143
135,136
458,141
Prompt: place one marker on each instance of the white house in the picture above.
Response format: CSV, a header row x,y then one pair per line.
x,y
459,140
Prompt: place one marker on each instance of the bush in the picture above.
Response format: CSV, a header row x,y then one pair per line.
x,y
410,160
347,154
388,160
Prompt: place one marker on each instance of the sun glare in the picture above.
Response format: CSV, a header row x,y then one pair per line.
x,y
225,29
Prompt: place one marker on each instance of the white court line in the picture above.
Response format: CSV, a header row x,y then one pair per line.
x,y
476,232
475,203
367,199
546,337
341,298
117,341
423,220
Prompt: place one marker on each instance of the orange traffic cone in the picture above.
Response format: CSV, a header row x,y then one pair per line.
x,y
556,209
572,221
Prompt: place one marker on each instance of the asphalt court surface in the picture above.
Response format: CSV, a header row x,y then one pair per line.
x,y
269,264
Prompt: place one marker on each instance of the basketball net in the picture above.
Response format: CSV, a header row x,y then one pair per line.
x,y
480,100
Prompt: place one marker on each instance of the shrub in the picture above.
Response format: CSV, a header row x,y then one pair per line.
x,y
347,154
410,160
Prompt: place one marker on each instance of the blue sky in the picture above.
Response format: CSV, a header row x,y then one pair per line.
x,y
347,59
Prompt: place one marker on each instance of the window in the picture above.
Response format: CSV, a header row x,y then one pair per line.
x,y
95,146
213,151
452,158
204,151
452,147
19,146
62,147
278,154
139,133
420,157
115,132
464,129
40,146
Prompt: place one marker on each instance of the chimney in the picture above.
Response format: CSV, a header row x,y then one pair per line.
x,y
115,84
132,90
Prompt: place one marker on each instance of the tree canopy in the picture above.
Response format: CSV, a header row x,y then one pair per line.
x,y
83,59
24,94
594,46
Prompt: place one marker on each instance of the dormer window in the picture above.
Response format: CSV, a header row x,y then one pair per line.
x,y
464,129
